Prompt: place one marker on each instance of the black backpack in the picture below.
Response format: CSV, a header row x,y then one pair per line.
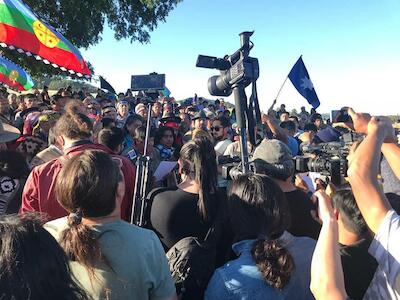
x,y
192,263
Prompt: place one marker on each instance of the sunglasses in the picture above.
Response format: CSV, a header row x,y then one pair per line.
x,y
216,128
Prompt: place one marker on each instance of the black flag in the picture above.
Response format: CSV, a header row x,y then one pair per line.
x,y
105,85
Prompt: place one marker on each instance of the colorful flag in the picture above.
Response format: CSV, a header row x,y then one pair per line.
x,y
13,76
302,82
22,30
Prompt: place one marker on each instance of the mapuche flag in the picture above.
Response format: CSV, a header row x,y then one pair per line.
x,y
13,76
302,82
22,30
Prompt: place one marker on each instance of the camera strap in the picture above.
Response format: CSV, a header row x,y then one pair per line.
x,y
253,114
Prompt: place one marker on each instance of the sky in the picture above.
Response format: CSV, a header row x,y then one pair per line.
x,y
350,48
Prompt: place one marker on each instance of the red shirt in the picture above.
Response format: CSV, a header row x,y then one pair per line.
x,y
39,191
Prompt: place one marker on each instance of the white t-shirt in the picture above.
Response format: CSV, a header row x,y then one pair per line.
x,y
386,249
221,146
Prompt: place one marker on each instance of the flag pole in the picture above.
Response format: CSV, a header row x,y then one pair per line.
x,y
276,98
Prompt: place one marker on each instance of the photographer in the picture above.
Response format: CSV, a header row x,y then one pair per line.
x,y
273,158
354,237
374,206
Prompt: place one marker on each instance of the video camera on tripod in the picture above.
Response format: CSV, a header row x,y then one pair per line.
x,y
237,71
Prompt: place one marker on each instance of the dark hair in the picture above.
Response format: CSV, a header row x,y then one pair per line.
x,y
294,117
86,187
199,162
140,133
75,126
73,106
111,137
32,264
13,165
225,122
131,119
257,207
289,125
310,127
160,133
315,117
345,203
107,122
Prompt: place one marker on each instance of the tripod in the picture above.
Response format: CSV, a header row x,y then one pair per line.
x,y
139,204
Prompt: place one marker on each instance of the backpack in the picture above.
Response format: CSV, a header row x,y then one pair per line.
x,y
192,263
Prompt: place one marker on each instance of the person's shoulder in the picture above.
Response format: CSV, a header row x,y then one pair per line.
x,y
124,160
54,164
297,194
162,192
135,235
304,241
55,227
389,227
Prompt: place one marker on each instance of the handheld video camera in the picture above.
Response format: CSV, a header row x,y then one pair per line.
x,y
329,159
237,68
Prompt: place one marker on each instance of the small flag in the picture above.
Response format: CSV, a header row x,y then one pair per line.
x,y
302,82
105,85
14,76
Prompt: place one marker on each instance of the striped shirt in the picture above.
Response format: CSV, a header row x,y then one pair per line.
x,y
386,249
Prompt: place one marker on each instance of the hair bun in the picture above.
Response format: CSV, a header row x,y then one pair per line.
x,y
274,262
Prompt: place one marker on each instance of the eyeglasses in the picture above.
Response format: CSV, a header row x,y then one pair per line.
x,y
216,128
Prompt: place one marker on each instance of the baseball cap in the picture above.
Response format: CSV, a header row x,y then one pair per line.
x,y
273,158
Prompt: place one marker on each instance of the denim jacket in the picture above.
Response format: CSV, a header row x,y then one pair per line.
x,y
241,279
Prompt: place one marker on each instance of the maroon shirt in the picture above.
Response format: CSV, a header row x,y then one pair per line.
x,y
39,191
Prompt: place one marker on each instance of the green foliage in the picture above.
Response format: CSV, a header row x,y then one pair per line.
x,y
82,23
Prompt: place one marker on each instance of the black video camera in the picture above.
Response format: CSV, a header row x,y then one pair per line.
x,y
237,68
328,159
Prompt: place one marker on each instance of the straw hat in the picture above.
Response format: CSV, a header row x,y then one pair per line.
x,y
8,133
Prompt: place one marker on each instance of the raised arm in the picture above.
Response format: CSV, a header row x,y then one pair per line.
x,y
391,151
363,172
327,280
273,124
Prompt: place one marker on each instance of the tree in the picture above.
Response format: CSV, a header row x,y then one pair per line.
x,y
82,22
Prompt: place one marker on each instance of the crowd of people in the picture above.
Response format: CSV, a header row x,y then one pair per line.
x,y
67,185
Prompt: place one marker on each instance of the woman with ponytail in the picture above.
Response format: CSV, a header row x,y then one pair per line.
x,y
110,258
271,263
188,209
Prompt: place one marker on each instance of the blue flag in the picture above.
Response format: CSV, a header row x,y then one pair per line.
x,y
302,82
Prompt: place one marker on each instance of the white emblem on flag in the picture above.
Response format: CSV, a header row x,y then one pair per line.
x,y
307,84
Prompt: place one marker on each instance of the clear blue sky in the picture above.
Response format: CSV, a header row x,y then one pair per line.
x,y
351,49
